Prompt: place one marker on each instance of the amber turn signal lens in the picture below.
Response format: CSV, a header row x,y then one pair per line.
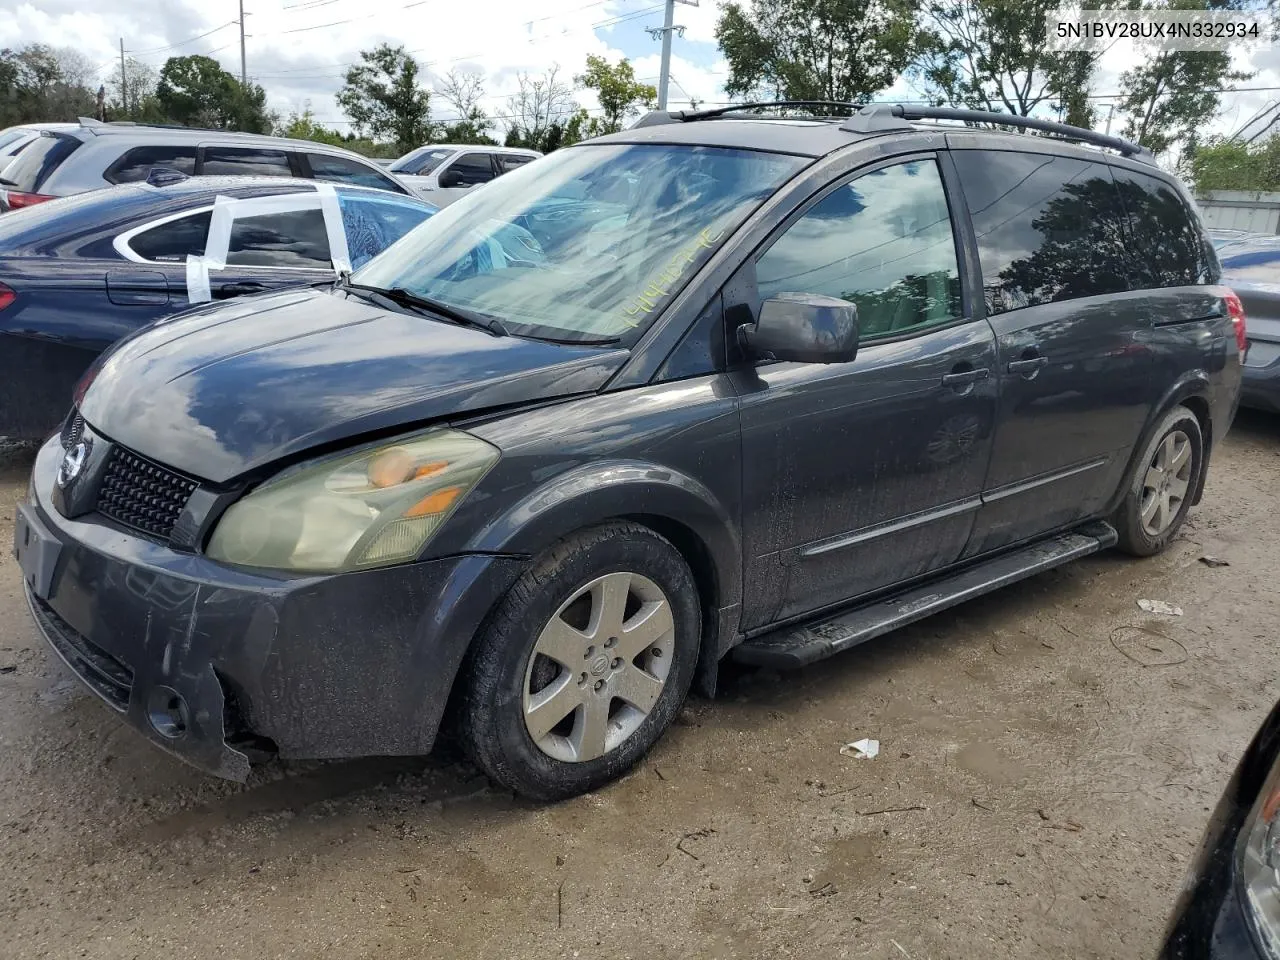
x,y
433,503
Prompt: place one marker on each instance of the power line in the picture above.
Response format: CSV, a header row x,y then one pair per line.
x,y
183,43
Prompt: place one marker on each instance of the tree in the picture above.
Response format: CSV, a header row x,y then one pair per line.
x,y
540,111
1231,165
844,50
140,83
382,96
463,93
34,87
1175,92
196,92
303,126
993,55
621,96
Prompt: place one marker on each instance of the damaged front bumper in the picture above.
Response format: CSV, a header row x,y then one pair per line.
x,y
209,661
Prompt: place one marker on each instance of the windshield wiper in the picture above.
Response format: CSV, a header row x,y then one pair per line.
x,y
406,298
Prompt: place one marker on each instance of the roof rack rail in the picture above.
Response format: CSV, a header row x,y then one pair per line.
x,y
656,117
884,118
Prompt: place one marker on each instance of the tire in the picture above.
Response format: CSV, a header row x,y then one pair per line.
x,y
1160,489
530,715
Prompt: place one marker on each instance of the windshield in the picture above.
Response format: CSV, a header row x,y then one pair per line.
x,y
421,161
589,243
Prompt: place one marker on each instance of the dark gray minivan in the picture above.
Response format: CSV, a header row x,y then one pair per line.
x,y
719,384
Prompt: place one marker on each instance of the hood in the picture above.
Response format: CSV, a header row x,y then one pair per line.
x,y
236,386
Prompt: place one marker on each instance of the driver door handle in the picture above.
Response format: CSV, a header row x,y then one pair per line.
x,y
962,378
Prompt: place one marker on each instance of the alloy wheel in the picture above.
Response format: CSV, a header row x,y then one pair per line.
x,y
1164,488
598,667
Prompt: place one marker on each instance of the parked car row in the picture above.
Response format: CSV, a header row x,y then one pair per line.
x,y
69,159
1251,264
79,273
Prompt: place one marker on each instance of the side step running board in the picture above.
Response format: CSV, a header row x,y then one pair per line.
x,y
797,646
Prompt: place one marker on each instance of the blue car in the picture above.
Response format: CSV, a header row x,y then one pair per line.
x,y
79,273
1252,267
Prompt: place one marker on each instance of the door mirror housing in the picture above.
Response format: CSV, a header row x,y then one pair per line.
x,y
450,178
803,327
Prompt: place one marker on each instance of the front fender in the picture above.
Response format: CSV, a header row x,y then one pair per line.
x,y
608,490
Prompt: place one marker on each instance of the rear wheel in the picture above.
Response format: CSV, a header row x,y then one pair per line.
x,y
1160,489
584,663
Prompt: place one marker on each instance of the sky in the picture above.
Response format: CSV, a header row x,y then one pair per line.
x,y
299,49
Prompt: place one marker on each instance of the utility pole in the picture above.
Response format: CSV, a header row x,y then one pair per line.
x,y
668,27
124,82
1111,110
244,76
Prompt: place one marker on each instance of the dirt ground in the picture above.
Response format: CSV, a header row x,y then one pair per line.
x,y
1048,759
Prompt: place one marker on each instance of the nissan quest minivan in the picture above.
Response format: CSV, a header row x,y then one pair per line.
x,y
724,384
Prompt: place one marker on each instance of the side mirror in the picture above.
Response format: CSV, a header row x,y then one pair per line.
x,y
450,178
804,327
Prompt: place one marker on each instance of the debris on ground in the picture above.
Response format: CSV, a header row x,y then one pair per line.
x,y
1209,561
861,749
1147,647
1160,606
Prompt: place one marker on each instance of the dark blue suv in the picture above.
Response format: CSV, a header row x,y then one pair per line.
x,y
712,386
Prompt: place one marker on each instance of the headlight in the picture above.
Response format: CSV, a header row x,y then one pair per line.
x,y
1259,864
355,510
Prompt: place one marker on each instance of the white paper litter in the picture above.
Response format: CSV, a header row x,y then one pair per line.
x,y
861,749
1159,606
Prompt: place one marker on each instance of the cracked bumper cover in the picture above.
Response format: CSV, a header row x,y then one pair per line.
x,y
356,664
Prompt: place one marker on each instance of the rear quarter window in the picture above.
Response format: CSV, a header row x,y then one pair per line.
x,y
173,241
1167,248
35,164
1048,228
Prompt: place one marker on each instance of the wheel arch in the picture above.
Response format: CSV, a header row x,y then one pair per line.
x,y
1192,391
677,507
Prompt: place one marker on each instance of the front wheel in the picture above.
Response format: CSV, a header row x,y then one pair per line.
x,y
584,664
1160,489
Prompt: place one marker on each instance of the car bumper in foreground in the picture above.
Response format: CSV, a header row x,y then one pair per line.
x,y
208,661
1261,382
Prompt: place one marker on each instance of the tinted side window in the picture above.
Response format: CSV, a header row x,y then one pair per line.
x,y
471,168
510,161
882,241
293,239
373,223
1049,228
1167,247
245,162
174,240
135,164
345,170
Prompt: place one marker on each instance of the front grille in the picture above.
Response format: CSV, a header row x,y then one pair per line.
x,y
72,429
142,495
110,678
